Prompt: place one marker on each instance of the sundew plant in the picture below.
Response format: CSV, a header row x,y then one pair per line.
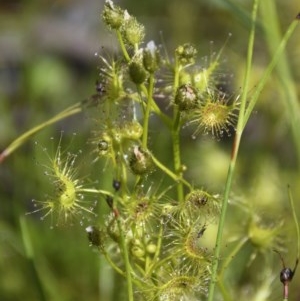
x,y
166,235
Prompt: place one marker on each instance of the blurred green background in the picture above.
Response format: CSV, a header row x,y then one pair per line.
x,y
48,62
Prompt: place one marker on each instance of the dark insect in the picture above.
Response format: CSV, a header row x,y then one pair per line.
x,y
201,232
94,236
116,185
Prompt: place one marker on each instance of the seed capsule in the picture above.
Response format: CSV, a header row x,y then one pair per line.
x,y
140,161
113,15
151,57
137,72
186,97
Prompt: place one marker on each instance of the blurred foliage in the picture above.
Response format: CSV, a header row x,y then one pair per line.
x,y
47,63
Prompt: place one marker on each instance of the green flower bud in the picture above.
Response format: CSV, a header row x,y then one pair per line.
x,y
137,249
131,130
186,54
137,72
140,161
186,97
113,15
133,31
137,252
104,144
151,57
151,248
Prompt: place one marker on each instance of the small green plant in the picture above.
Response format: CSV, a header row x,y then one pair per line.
x,y
153,235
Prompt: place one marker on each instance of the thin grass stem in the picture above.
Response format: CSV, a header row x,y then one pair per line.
x,y
75,109
234,154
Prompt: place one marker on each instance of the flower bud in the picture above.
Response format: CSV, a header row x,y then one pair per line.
x,y
140,161
186,97
104,145
137,72
137,248
151,248
113,15
151,57
131,130
186,54
133,31
137,251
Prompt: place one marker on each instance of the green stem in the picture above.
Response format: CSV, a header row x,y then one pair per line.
x,y
122,45
177,153
224,292
170,173
126,260
113,265
157,251
147,111
118,270
123,171
96,191
165,118
75,109
235,148
176,136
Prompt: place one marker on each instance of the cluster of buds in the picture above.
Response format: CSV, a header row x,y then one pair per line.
x,y
118,19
